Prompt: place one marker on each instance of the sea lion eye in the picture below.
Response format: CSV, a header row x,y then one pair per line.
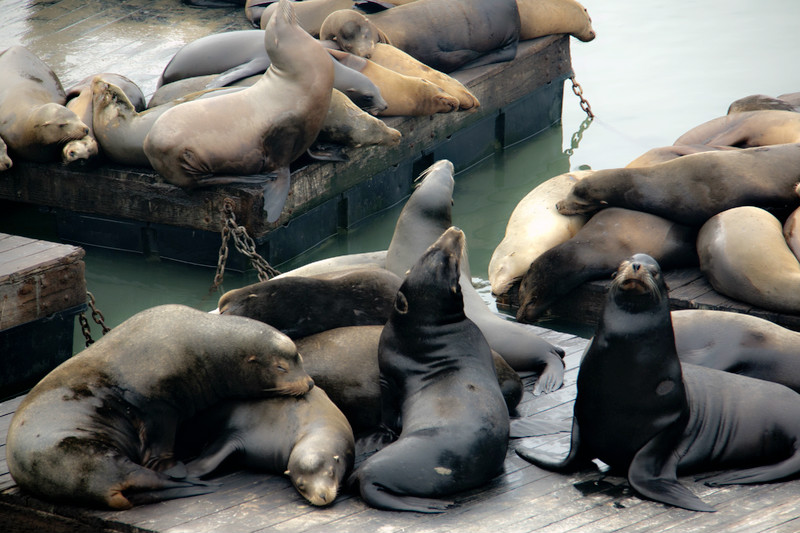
x,y
401,303
281,368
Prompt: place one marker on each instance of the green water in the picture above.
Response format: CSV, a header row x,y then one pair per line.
x,y
655,70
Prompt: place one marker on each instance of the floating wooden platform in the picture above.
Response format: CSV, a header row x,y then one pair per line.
x,y
688,289
42,288
134,209
523,499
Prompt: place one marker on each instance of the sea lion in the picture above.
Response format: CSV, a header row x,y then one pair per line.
x,y
5,161
276,120
693,188
791,232
533,228
596,251
747,129
744,256
546,17
421,222
349,125
738,343
443,34
404,95
99,430
80,149
438,393
757,102
83,91
344,363
395,59
236,55
328,265
668,153
34,123
306,438
642,412
301,306
310,13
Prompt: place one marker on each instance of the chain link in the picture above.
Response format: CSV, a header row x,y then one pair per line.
x,y
244,243
98,318
578,136
578,90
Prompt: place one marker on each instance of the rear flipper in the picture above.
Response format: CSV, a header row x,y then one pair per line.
x,y
148,486
154,496
573,462
380,498
761,474
275,194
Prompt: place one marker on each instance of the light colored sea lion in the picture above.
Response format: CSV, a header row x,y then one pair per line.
x,y
534,227
595,252
395,59
348,124
420,223
738,343
757,102
747,129
693,188
306,438
439,393
744,256
791,232
375,259
668,153
647,416
80,150
275,120
34,123
404,95
310,13
99,430
443,34
5,161
546,17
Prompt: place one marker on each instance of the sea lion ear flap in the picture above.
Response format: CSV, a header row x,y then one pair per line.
x,y
401,303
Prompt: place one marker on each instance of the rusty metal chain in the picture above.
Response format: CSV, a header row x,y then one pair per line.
x,y
98,318
244,243
578,90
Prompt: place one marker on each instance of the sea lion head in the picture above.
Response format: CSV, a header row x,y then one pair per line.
x,y
107,97
352,31
54,124
79,149
318,474
639,285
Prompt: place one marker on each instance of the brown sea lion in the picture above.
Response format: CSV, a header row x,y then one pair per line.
x,y
693,188
747,129
404,95
443,34
349,125
668,153
546,17
310,13
80,150
33,120
99,430
758,102
264,127
744,256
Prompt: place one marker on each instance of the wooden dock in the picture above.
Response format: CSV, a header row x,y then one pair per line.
x,y
134,209
42,288
523,499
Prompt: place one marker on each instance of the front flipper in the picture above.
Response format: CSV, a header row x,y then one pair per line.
x,y
653,474
574,461
255,66
327,152
213,456
275,194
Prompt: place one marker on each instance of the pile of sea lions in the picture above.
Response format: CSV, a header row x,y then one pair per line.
x,y
242,106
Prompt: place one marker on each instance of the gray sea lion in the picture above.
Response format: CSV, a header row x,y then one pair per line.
x,y
744,256
349,125
647,416
420,223
276,120
99,430
747,129
738,343
306,438
757,102
546,17
439,393
34,123
443,34
344,363
596,251
693,188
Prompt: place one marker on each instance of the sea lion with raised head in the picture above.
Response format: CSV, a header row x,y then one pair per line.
x,y
649,417
547,17
439,393
99,430
243,136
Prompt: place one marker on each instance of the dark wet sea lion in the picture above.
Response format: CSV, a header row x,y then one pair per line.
x,y
426,214
693,188
744,256
34,123
99,430
738,343
747,129
344,362
443,34
596,251
438,393
306,438
303,305
277,119
645,415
